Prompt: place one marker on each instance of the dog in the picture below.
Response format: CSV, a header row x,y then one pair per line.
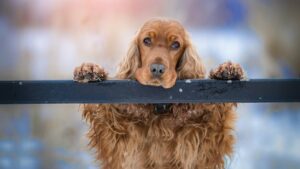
x,y
146,136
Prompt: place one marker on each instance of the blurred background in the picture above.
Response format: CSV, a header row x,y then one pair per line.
x,y
46,39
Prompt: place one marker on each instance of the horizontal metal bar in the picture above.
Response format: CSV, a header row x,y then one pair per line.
x,y
127,91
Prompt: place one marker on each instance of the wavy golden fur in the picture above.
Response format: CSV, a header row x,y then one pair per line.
x,y
186,136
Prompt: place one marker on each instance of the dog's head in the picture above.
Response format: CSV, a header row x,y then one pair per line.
x,y
160,53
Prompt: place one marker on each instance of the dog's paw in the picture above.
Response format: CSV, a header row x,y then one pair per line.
x,y
227,71
89,72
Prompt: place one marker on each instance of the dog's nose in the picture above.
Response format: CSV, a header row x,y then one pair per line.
x,y
157,69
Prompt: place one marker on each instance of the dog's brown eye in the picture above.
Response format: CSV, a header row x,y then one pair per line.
x,y
175,45
147,41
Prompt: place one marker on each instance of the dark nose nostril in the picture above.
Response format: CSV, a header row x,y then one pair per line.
x,y
157,69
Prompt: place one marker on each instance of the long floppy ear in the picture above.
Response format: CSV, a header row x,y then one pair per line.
x,y
190,65
130,63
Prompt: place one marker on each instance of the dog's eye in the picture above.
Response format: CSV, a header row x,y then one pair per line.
x,y
175,45
147,41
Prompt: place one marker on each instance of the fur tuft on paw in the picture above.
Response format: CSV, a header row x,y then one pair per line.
x,y
227,71
88,72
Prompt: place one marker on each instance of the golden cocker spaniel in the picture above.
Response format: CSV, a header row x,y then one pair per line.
x,y
177,136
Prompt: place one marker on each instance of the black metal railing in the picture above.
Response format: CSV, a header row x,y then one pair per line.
x,y
128,91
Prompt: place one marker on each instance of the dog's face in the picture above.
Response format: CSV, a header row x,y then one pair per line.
x,y
161,46
160,54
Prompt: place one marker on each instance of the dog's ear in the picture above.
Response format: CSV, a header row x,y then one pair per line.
x,y
131,62
190,65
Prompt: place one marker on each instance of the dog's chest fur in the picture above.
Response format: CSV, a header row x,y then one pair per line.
x,y
168,136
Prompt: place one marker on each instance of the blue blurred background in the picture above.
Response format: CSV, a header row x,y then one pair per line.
x,y
46,39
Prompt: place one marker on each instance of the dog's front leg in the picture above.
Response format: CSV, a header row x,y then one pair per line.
x,y
224,124
116,140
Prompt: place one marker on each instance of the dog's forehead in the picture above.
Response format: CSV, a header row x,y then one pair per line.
x,y
163,28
